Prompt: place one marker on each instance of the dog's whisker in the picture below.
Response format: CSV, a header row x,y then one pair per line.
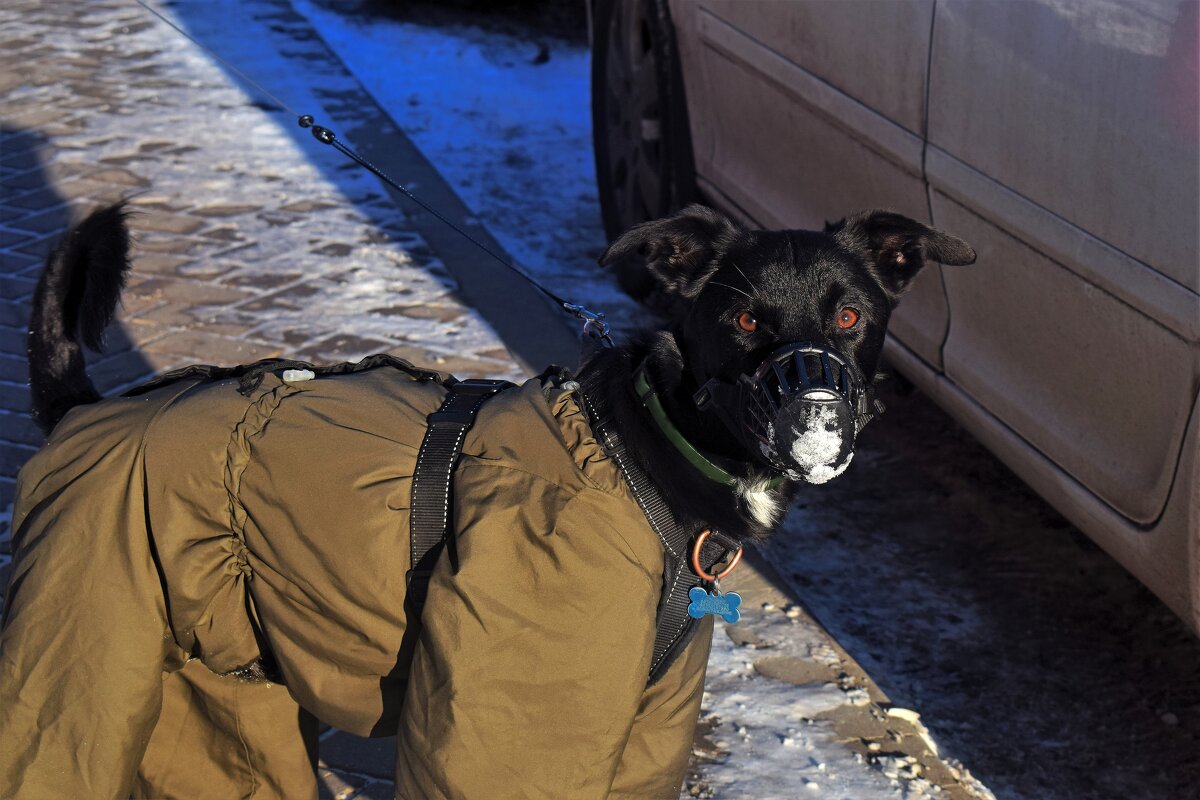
x,y
744,275
727,286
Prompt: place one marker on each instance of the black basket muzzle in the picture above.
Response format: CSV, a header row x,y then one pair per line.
x,y
800,411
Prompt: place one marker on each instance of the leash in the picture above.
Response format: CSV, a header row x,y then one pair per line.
x,y
594,324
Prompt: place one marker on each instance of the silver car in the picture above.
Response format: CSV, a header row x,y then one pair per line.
x,y
1059,137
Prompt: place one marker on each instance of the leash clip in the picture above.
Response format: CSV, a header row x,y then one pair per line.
x,y
593,322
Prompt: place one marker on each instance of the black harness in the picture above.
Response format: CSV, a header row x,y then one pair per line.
x,y
431,529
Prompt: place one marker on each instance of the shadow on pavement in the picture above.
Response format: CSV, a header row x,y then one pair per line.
x,y
35,215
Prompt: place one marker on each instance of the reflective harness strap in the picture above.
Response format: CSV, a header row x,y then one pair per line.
x,y
674,626
429,525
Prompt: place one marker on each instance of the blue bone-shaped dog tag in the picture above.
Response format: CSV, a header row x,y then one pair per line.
x,y
724,606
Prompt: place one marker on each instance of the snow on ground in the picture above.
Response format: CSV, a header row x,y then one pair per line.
x,y
766,727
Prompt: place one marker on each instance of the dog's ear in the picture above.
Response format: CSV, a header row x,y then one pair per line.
x,y
898,247
681,252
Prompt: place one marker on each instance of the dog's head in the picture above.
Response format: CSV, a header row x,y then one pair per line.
x,y
744,294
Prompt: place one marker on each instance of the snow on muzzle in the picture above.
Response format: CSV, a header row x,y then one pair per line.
x,y
811,437
800,411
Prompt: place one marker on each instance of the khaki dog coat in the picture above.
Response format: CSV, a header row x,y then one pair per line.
x,y
165,537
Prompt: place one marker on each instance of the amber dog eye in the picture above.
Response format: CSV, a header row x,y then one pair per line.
x,y
747,322
847,318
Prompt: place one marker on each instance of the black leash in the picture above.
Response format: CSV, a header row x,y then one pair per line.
x,y
594,323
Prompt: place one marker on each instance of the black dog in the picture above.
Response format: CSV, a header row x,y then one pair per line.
x,y
745,294
215,522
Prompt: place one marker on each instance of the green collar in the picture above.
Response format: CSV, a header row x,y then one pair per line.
x,y
645,393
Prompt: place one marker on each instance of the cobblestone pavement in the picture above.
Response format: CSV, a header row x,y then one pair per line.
x,y
251,241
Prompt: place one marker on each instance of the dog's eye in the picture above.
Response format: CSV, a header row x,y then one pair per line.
x,y
747,322
847,318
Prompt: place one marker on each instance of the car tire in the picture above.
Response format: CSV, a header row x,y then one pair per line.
x,y
644,164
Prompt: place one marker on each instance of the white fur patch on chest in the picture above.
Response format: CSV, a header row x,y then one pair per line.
x,y
761,502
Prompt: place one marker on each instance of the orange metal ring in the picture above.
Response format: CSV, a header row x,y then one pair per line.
x,y
733,562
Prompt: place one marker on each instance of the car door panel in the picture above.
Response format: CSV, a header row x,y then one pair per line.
x,y
1078,373
1084,346
875,51
1104,89
1155,295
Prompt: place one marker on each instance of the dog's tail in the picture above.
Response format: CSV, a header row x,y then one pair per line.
x,y
75,299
